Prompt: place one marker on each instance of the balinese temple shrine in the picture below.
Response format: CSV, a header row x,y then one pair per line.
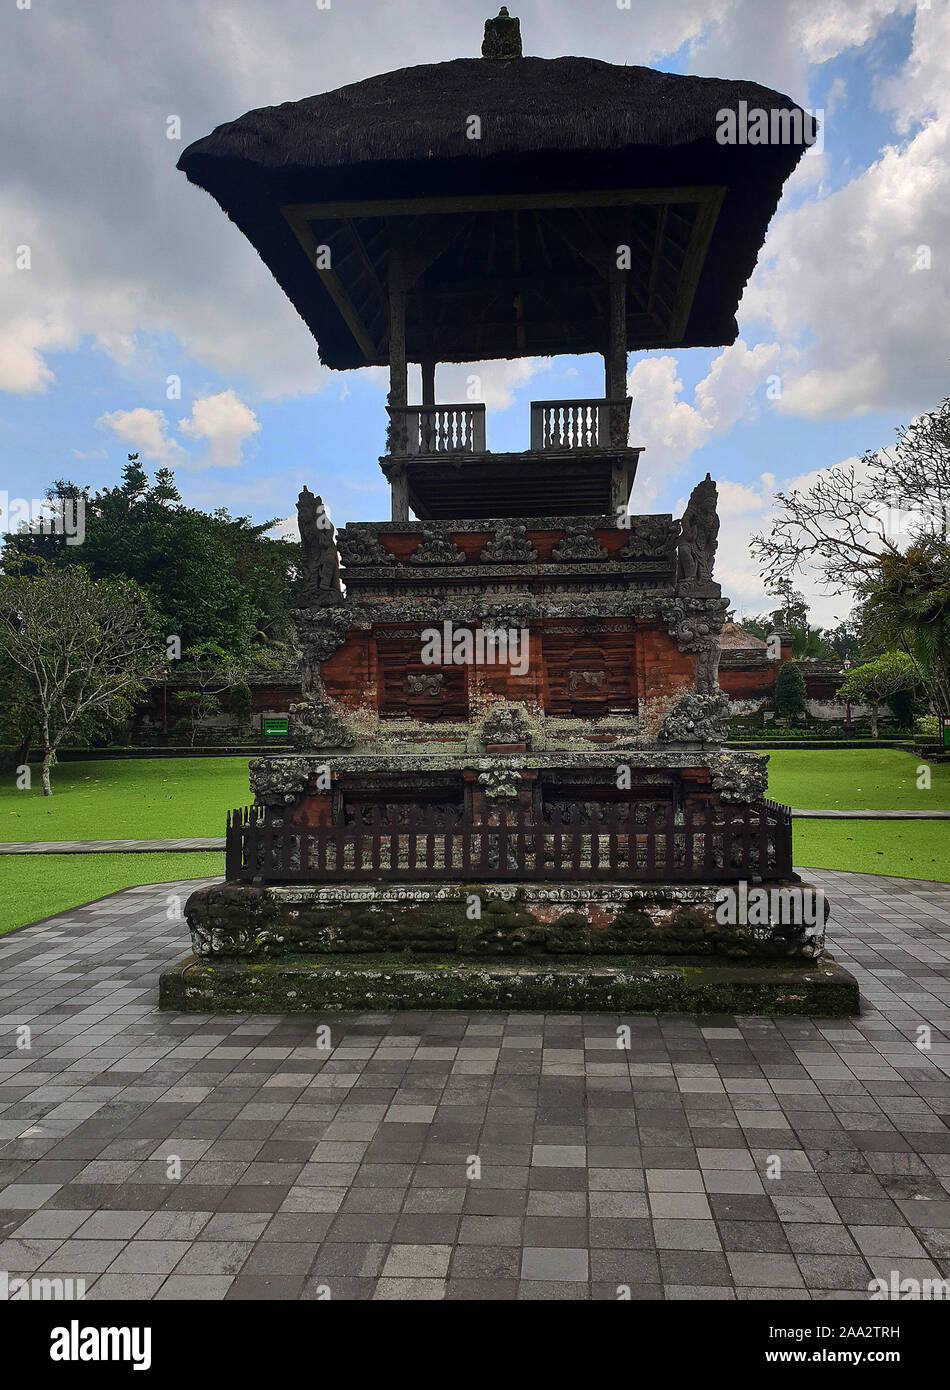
x,y
510,787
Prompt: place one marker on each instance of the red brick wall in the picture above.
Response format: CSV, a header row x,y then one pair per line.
x,y
748,682
662,668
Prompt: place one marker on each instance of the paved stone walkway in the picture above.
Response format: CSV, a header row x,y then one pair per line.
x,y
471,1156
108,846
869,815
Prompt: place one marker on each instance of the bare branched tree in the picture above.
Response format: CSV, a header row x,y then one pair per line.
x,y
84,649
879,530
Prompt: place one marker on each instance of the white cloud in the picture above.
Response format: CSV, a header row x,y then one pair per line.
x,y
747,509
146,431
827,30
842,278
224,423
23,369
672,428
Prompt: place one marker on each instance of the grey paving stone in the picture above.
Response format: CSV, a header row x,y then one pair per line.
x,y
554,1265
304,1172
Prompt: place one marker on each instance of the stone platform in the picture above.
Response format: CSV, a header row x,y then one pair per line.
x,y
690,984
778,919
593,947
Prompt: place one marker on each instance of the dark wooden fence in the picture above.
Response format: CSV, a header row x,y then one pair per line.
x,y
713,843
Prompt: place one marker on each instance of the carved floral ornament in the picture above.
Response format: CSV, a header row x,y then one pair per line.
x,y
650,536
500,777
579,543
436,549
424,683
505,723
278,781
586,680
323,630
510,545
320,723
739,776
363,548
695,717
695,623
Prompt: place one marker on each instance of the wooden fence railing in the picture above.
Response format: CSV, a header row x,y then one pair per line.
x,y
437,429
710,843
590,424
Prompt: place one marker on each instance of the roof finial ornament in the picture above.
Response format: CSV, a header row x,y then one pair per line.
x,y
502,36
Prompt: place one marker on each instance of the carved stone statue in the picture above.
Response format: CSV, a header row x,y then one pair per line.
x,y
502,36
699,535
321,563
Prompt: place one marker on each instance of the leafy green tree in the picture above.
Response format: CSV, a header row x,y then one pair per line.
x,y
846,640
790,691
807,642
211,577
904,707
907,606
213,677
17,714
879,530
877,681
82,650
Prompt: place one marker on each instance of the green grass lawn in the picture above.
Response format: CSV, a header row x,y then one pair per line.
x,y
162,798
137,798
856,779
37,885
904,849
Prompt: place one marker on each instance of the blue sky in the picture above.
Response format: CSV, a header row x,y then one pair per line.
x,y
135,276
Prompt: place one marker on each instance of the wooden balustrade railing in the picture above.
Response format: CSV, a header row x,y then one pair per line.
x,y
437,429
555,425
706,843
590,424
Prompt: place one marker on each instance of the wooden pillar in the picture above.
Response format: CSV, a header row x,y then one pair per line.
x,y
615,358
399,487
428,380
398,367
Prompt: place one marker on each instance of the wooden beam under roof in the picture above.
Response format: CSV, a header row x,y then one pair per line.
x,y
703,225
347,309
500,202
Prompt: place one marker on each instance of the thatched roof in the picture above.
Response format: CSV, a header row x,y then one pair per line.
x,y
561,124
735,638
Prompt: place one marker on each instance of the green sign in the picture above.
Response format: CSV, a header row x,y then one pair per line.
x,y
274,728
945,726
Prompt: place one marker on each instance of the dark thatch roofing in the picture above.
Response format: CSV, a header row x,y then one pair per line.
x,y
561,124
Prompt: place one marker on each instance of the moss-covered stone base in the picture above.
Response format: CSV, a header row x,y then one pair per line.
x,y
327,983
537,920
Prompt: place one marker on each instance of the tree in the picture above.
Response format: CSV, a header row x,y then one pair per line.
x,y
790,691
903,705
877,681
846,640
908,607
210,577
807,642
209,673
81,648
878,529
17,714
